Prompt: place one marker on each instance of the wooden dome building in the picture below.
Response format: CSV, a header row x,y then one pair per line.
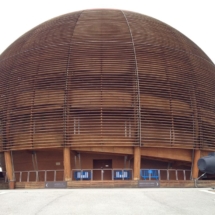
x,y
104,90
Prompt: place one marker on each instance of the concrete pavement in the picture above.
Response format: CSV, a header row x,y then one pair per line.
x,y
108,201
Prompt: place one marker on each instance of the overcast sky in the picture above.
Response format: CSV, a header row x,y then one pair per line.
x,y
194,18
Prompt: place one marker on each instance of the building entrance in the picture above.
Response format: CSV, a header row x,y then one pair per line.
x,y
102,169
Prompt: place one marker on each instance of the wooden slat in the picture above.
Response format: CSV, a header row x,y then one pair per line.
x,y
106,78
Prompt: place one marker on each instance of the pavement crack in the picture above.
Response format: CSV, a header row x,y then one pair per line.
x,y
49,203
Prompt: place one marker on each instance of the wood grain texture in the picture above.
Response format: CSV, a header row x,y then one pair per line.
x,y
195,170
106,78
67,164
8,165
137,162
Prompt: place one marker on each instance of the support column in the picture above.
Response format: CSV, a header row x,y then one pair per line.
x,y
9,169
195,170
67,165
137,160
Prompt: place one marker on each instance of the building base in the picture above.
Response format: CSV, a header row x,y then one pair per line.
x,y
119,184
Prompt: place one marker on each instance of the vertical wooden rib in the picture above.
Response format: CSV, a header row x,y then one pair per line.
x,y
66,103
137,84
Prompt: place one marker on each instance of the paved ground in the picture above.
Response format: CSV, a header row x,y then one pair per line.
x,y
108,201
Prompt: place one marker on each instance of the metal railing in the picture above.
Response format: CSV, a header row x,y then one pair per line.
x,y
40,175
76,174
165,174
102,174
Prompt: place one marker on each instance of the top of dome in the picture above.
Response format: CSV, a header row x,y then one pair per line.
x,y
106,26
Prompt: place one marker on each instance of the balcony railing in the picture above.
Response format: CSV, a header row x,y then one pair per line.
x,y
40,175
100,174
165,174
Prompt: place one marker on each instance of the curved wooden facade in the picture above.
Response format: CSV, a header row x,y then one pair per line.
x,y
106,78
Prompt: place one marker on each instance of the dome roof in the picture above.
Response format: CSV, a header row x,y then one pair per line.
x,y
104,25
114,71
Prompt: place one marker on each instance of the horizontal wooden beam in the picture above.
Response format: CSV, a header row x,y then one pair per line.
x,y
163,153
104,149
167,153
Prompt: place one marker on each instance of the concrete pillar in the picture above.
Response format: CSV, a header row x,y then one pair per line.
x,y
195,170
9,169
137,161
67,164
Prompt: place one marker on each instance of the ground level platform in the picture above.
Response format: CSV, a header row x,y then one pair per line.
x,y
117,184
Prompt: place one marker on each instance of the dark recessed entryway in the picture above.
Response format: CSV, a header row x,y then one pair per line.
x,y
102,169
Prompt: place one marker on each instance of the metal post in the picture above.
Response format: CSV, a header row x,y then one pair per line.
x,y
20,177
28,176
54,175
112,174
122,174
102,174
37,176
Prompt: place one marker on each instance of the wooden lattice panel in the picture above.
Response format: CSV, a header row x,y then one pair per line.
x,y
106,78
